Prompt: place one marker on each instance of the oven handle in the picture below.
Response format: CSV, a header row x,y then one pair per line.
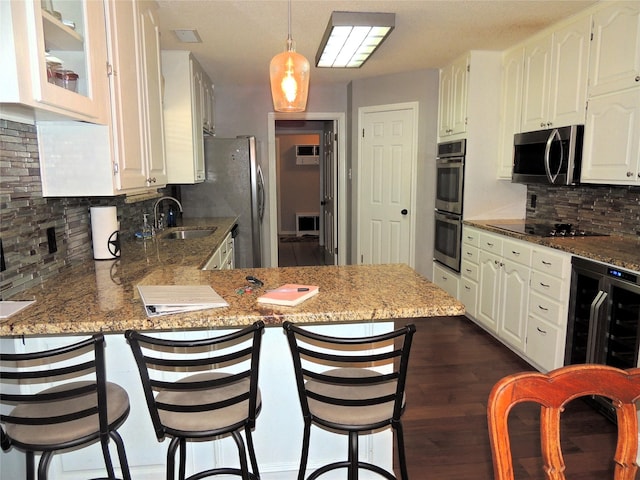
x,y
594,316
552,136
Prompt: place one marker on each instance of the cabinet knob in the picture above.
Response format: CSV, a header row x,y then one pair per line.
x,y
629,174
549,124
542,125
637,78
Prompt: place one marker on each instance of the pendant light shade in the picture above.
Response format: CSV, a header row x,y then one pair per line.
x,y
289,74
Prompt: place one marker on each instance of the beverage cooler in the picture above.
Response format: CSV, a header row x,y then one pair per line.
x,y
604,319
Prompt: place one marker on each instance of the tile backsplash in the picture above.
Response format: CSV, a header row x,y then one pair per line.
x,y
601,208
25,215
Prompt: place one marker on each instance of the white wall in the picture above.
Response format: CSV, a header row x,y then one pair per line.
x,y
420,86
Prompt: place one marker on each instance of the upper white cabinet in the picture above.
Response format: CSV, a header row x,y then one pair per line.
x,y
612,139
188,114
127,156
511,107
452,118
74,38
615,51
555,77
612,128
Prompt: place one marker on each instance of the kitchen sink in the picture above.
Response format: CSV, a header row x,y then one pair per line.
x,y
187,233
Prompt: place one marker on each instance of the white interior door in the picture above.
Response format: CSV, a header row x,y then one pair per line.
x,y
329,181
387,166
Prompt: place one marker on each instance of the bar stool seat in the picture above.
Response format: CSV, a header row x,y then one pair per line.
x,y
79,409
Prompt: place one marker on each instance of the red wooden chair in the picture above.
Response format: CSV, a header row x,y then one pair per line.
x,y
553,391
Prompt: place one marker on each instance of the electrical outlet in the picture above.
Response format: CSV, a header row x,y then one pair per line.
x,y
51,239
534,199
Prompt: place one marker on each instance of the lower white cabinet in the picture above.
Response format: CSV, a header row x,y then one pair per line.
x,y
445,279
519,292
223,257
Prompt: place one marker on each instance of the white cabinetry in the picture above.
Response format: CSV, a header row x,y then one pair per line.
x,y
452,118
223,257
555,77
27,31
470,271
548,303
612,128
504,288
445,279
511,108
188,114
83,159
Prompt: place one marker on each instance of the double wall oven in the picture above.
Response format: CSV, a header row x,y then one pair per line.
x,y
449,200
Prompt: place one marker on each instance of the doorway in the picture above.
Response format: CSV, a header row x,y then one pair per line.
x,y
331,196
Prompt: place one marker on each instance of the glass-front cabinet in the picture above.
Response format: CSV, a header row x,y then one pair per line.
x,y
54,57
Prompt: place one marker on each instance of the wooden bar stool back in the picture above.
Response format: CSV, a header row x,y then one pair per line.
x,y
76,408
199,390
553,391
353,386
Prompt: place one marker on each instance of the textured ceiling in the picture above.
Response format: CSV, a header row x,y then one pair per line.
x,y
239,38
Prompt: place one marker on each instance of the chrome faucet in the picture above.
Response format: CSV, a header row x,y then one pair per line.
x,y
155,209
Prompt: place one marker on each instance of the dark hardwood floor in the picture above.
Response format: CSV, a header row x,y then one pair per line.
x,y
453,366
294,251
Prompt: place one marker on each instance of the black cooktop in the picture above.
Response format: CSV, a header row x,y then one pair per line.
x,y
560,230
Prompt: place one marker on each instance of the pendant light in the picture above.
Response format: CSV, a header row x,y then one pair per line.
x,y
289,74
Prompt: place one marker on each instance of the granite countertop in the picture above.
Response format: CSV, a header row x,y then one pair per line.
x,y
623,252
101,296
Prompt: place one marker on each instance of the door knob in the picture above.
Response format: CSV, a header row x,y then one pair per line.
x,y
404,211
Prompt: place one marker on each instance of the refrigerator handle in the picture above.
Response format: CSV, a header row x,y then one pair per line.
x,y
594,319
261,198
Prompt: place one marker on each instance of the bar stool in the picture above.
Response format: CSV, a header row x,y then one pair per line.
x,y
340,392
67,414
219,396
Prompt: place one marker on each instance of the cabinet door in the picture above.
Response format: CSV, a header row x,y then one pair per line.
x,y
535,93
568,82
489,295
510,119
126,88
612,139
514,304
197,113
615,51
156,169
444,113
458,109
82,49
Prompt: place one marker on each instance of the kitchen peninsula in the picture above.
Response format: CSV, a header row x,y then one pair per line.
x,y
101,296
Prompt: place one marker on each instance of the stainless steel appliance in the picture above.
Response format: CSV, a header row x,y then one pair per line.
x,y
604,319
234,186
448,236
550,157
449,203
450,176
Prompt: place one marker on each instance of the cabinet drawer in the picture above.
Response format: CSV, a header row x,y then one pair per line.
x,y
469,270
547,309
549,286
470,236
491,243
469,296
545,344
517,251
469,253
214,262
551,262
446,280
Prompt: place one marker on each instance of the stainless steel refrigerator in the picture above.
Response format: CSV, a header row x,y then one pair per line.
x,y
234,186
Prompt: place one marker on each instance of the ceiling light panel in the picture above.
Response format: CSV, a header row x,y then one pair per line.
x,y
351,37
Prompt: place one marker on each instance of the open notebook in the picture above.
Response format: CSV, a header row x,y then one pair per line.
x,y
168,299
290,294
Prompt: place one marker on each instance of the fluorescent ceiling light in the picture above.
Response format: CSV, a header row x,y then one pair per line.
x,y
351,37
188,35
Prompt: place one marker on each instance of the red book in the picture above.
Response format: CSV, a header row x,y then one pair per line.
x,y
289,295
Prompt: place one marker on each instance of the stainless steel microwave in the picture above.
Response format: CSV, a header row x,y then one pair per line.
x,y
551,157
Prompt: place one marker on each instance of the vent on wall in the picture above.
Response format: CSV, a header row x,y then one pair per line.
x,y
307,224
307,154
